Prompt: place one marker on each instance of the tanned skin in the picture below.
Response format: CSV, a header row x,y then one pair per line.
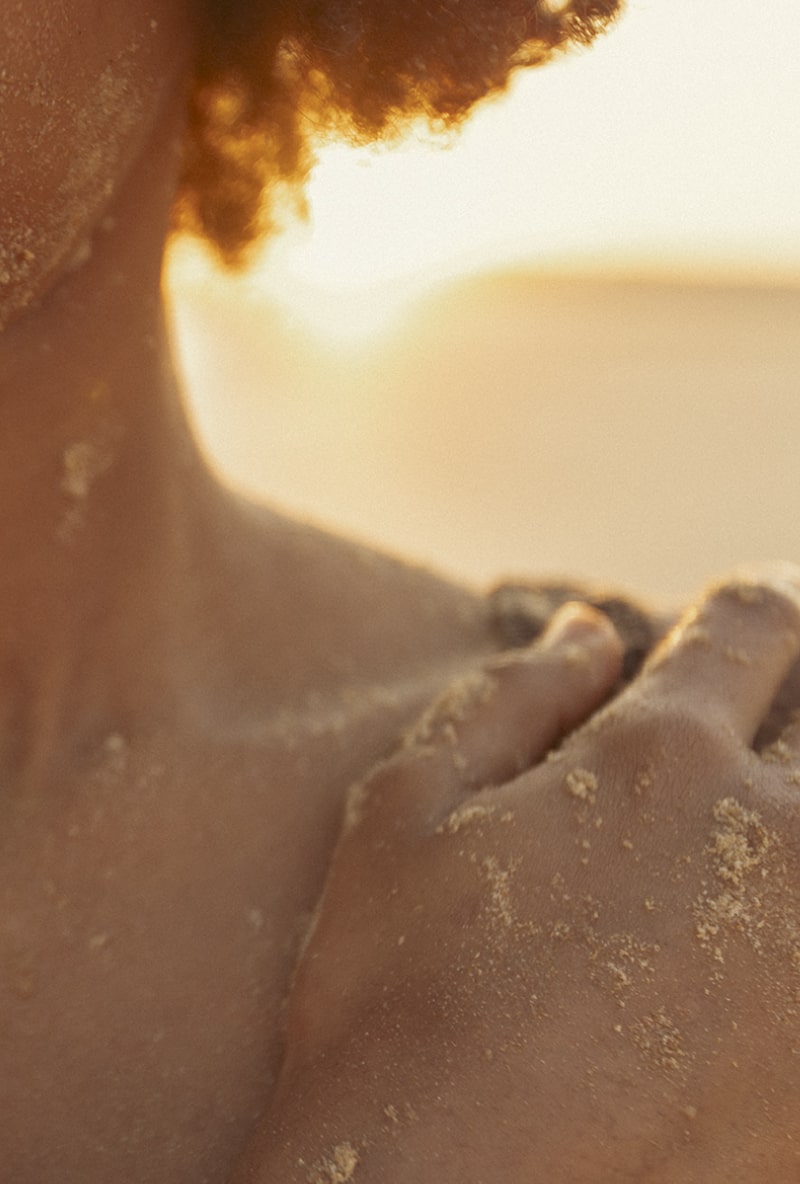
x,y
189,685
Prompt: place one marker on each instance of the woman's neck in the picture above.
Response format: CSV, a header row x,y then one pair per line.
x,y
100,482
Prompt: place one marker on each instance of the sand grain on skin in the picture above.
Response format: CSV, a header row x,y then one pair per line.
x,y
457,703
582,784
84,463
752,899
337,1166
661,1044
740,848
66,193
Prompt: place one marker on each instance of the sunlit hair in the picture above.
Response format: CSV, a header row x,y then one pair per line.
x,y
273,77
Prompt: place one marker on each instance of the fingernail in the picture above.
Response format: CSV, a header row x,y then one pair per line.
x,y
575,622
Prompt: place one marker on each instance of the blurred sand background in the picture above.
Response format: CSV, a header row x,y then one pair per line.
x,y
449,360
641,433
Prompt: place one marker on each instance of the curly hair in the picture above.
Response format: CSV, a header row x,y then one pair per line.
x,y
272,78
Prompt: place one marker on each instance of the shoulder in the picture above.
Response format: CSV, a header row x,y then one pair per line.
x,y
349,603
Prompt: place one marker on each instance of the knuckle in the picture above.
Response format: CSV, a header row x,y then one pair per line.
x,y
662,752
674,723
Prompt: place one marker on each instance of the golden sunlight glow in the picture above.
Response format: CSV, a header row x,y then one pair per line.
x,y
343,308
555,406
669,147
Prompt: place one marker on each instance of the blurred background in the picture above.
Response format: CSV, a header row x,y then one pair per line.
x,y
565,343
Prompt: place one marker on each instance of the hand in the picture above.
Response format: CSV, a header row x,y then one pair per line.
x,y
577,969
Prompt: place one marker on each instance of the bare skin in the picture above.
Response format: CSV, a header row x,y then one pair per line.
x,y
581,969
188,684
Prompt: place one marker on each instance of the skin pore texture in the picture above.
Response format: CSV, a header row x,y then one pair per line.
x,y
574,965
79,84
188,683
190,687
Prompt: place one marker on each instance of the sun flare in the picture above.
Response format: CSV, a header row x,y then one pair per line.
x,y
657,152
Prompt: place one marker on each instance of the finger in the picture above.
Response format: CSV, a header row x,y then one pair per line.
x,y
728,656
533,698
492,725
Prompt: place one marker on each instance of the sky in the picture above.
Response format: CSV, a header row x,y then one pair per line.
x,y
671,145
